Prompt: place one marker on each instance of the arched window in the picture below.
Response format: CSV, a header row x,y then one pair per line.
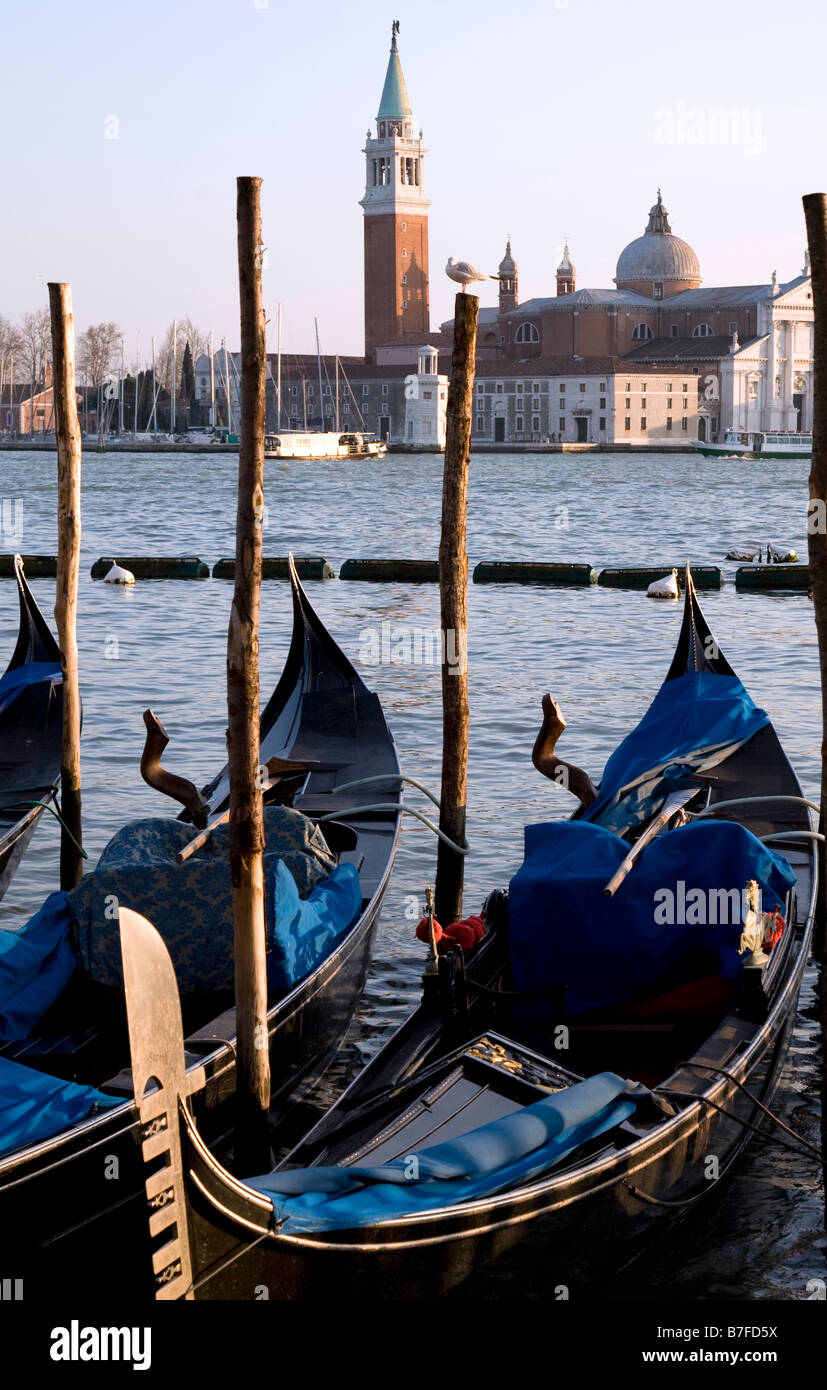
x,y
702,330
526,333
643,331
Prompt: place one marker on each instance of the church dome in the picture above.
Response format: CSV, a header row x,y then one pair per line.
x,y
658,254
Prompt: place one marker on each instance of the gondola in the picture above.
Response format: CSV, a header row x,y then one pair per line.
x,y
59,1214
31,719
504,1137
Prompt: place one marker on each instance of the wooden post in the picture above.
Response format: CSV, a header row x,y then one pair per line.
x,y
453,600
815,212
67,430
243,705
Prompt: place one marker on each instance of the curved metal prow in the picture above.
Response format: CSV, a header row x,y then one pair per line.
x,y
161,1084
34,640
697,649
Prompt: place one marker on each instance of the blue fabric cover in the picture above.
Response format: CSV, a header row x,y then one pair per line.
x,y
689,719
35,965
563,931
189,904
303,932
513,1149
30,673
34,1106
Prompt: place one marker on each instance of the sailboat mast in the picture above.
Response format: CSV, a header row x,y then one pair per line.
x,y
174,370
154,393
123,385
304,400
319,364
337,393
278,368
212,381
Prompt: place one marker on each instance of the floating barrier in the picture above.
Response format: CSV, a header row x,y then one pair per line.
x,y
154,566
528,572
34,566
409,571
773,577
274,567
704,576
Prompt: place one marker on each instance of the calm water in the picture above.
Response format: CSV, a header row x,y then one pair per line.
x,y
601,652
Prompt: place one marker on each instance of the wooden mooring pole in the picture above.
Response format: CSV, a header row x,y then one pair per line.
x,y
453,598
243,706
815,212
67,431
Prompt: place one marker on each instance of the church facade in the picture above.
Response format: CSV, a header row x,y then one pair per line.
x,y
658,358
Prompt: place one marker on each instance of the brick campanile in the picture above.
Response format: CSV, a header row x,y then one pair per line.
x,y
396,221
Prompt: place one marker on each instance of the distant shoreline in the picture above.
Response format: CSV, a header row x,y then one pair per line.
x,y
147,447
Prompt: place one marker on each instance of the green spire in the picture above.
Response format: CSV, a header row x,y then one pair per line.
x,y
395,102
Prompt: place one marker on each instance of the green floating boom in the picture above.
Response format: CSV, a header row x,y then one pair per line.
x,y
528,572
274,567
704,576
409,571
773,577
154,566
34,566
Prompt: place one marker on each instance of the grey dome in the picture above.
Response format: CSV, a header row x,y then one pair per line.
x,y
658,254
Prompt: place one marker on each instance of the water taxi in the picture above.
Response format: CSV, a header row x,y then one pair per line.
x,y
317,444
753,444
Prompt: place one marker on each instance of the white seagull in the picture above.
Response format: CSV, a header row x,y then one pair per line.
x,y
465,273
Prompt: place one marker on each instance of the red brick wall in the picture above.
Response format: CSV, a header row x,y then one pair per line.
x,y
385,264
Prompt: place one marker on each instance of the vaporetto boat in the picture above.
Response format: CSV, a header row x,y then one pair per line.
x,y
322,445
751,444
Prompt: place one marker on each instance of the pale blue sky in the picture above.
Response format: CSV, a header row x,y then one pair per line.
x,y
542,118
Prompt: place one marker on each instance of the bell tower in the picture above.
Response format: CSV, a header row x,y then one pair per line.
x,y
396,221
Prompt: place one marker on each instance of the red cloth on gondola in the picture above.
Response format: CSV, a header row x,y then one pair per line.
x,y
464,934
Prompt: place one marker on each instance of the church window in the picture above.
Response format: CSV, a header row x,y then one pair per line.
x,y
702,330
385,390
643,331
674,330
365,390
404,226
404,252
753,390
499,388
519,388
381,130
527,333
404,279
582,386
733,328
657,290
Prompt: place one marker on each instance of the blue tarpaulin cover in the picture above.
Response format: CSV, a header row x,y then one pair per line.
x,y
513,1149
30,673
564,932
34,1106
36,963
692,721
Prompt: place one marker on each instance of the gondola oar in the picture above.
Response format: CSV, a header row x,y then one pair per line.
x,y
674,802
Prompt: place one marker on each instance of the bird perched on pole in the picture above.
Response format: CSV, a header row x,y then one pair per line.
x,y
465,273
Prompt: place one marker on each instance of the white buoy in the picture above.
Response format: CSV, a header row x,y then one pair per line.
x,y
118,575
664,588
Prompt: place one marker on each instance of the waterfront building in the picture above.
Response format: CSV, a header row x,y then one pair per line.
x,y
426,400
